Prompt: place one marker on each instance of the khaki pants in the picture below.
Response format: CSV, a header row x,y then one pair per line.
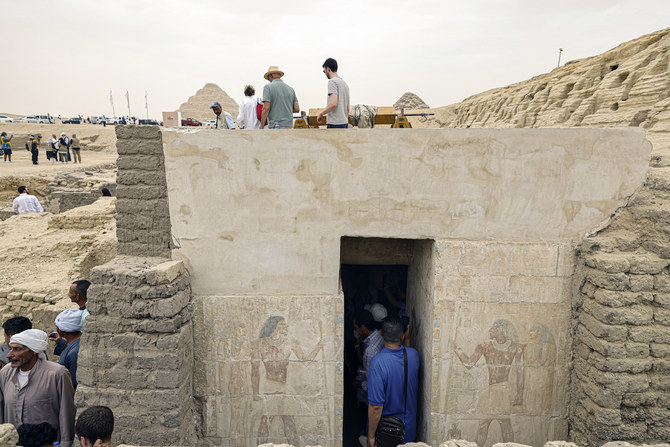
x,y
76,155
62,157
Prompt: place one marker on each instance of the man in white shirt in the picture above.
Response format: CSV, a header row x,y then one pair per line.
x,y
25,203
248,117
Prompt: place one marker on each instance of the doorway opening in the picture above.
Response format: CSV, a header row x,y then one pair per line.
x,y
386,277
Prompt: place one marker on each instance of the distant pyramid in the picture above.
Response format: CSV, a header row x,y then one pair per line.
x,y
410,101
198,105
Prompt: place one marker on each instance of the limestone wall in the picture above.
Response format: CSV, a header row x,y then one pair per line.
x,y
492,218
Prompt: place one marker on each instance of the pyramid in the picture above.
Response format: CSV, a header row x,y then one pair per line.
x,y
198,105
410,101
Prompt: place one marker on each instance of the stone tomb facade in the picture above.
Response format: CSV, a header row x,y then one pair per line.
x,y
230,251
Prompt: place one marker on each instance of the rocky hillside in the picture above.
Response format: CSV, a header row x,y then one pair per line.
x,y
198,105
626,86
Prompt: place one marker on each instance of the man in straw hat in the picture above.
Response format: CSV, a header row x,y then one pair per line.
x,y
279,101
35,390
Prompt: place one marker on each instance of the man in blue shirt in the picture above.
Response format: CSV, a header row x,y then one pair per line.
x,y
386,383
68,325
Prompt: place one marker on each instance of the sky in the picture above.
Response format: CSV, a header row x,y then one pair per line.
x,y
64,57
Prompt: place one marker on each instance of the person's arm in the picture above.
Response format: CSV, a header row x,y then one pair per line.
x,y
240,118
15,206
61,343
469,361
296,107
67,410
266,112
38,205
332,103
374,415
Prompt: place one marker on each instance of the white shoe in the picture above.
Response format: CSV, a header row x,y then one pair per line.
x,y
363,440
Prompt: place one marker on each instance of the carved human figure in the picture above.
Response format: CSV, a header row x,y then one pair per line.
x,y
502,354
274,352
539,359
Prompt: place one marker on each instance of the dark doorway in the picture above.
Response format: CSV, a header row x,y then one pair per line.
x,y
396,274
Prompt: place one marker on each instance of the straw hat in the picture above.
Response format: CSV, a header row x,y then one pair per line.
x,y
271,70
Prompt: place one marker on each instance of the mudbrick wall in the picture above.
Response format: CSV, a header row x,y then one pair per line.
x,y
621,376
136,354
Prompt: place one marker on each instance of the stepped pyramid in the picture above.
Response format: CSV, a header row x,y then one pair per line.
x,y
198,105
410,101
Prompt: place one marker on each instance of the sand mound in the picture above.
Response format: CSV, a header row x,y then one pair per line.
x,y
198,105
626,86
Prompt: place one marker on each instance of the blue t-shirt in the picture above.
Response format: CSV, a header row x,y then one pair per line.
x,y
386,383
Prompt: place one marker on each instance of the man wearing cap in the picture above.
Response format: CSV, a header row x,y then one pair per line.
x,y
34,390
63,148
68,327
279,101
33,147
220,124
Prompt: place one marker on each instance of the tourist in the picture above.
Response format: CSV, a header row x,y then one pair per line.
x,y
216,108
95,426
75,148
24,401
337,109
6,146
52,151
68,327
26,203
33,147
105,192
63,148
279,101
37,435
12,326
393,383
248,116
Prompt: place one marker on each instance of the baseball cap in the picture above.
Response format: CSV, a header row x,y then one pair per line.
x,y
216,104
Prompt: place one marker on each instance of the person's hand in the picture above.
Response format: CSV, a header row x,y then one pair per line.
x,y
372,442
55,337
319,118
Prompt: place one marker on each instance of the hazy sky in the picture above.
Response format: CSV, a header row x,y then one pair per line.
x,y
63,57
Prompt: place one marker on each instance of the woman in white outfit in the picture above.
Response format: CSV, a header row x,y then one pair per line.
x,y
248,118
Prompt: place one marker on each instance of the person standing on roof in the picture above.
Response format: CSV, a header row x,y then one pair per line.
x,y
279,101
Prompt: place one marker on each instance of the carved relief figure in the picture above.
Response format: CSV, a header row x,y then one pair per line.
x,y
273,353
539,359
503,355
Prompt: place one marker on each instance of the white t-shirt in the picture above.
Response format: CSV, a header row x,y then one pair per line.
x,y
247,118
23,378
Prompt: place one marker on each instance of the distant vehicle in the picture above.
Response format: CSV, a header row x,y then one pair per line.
x,y
75,120
149,122
209,123
44,119
5,119
190,122
26,119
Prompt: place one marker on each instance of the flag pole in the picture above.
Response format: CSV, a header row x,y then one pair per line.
x,y
111,101
146,102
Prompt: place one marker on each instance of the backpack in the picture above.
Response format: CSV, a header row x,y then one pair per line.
x,y
259,109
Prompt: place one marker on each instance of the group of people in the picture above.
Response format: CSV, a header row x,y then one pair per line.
x,y
58,149
388,369
275,110
36,394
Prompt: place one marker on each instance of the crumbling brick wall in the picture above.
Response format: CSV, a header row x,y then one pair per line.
x,y
621,376
136,354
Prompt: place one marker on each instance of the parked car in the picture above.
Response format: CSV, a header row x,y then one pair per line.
x,y
209,123
75,120
190,122
149,122
5,119
44,119
26,119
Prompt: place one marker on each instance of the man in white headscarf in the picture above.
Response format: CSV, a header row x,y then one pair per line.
x,y
68,326
34,390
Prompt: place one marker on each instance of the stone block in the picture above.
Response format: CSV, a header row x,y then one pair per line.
x,y
142,147
647,264
608,262
141,192
609,281
619,299
632,366
640,399
132,132
662,316
169,307
156,208
601,396
560,444
648,334
138,177
662,282
604,416
659,350
458,443
14,296
634,315
139,163
641,283
164,273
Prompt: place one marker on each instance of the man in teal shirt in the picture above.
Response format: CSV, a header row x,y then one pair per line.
x,y
279,101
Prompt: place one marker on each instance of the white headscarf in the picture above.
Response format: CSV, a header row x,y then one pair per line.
x,y
33,339
69,320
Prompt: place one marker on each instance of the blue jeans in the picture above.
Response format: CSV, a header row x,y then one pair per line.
x,y
337,126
